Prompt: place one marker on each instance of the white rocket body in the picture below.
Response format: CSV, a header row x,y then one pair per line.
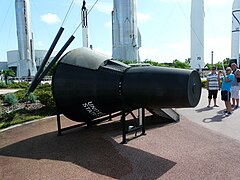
x,y
85,38
197,34
27,66
235,31
126,39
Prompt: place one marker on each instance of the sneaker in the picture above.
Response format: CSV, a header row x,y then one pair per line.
x,y
235,107
232,105
216,105
225,112
208,106
228,113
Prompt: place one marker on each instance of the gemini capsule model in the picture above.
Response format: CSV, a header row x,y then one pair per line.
x,y
87,85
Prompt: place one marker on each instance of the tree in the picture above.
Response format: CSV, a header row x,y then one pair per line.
x,y
8,73
225,63
182,65
153,63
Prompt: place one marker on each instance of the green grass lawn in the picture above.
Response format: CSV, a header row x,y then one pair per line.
x,y
24,115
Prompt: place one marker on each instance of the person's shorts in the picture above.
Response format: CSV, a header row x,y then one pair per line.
x,y
235,92
212,93
226,95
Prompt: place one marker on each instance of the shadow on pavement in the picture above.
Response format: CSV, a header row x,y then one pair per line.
x,y
94,150
217,118
204,109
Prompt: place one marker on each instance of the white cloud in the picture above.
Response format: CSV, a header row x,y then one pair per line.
x,y
221,46
174,1
179,50
50,18
149,53
206,2
214,3
79,2
105,52
108,24
141,17
167,52
104,7
39,44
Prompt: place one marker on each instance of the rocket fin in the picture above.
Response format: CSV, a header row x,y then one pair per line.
x,y
139,39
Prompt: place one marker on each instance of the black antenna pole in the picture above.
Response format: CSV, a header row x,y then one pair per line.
x,y
57,37
55,59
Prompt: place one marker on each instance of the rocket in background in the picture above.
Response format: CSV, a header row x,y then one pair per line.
x,y
197,34
235,31
126,39
84,14
27,66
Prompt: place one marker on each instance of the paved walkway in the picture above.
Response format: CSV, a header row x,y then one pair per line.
x,y
185,150
213,117
5,91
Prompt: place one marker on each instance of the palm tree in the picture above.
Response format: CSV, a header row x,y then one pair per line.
x,y
7,73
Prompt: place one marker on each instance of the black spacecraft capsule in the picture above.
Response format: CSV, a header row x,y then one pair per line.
x,y
88,85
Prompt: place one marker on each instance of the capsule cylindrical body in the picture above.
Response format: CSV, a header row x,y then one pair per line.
x,y
87,85
161,87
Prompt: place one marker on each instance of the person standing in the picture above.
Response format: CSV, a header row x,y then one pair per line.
x,y
213,85
235,86
227,80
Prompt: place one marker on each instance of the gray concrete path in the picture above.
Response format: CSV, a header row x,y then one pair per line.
x,y
213,117
5,91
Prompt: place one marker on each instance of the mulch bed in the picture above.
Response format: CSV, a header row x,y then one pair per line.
x,y
29,106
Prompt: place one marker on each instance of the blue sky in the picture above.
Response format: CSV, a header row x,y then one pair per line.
x,y
164,27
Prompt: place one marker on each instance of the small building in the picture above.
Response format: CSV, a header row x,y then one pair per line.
x,y
13,60
3,65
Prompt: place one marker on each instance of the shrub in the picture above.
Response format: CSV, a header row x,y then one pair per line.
x,y
46,98
1,96
3,84
32,98
1,111
20,95
22,85
204,83
10,99
45,86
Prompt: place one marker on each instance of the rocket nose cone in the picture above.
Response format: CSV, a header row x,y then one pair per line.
x,y
18,1
236,5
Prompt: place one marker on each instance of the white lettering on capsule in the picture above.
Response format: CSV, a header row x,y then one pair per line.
x,y
91,109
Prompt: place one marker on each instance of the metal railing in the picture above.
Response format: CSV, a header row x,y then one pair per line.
x,y
28,79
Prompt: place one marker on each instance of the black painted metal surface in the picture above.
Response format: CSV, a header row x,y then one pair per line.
x,y
87,85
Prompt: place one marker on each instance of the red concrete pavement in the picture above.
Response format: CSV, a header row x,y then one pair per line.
x,y
183,150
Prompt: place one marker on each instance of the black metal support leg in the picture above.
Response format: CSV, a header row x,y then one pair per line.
x,y
143,121
110,117
59,123
123,121
89,124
